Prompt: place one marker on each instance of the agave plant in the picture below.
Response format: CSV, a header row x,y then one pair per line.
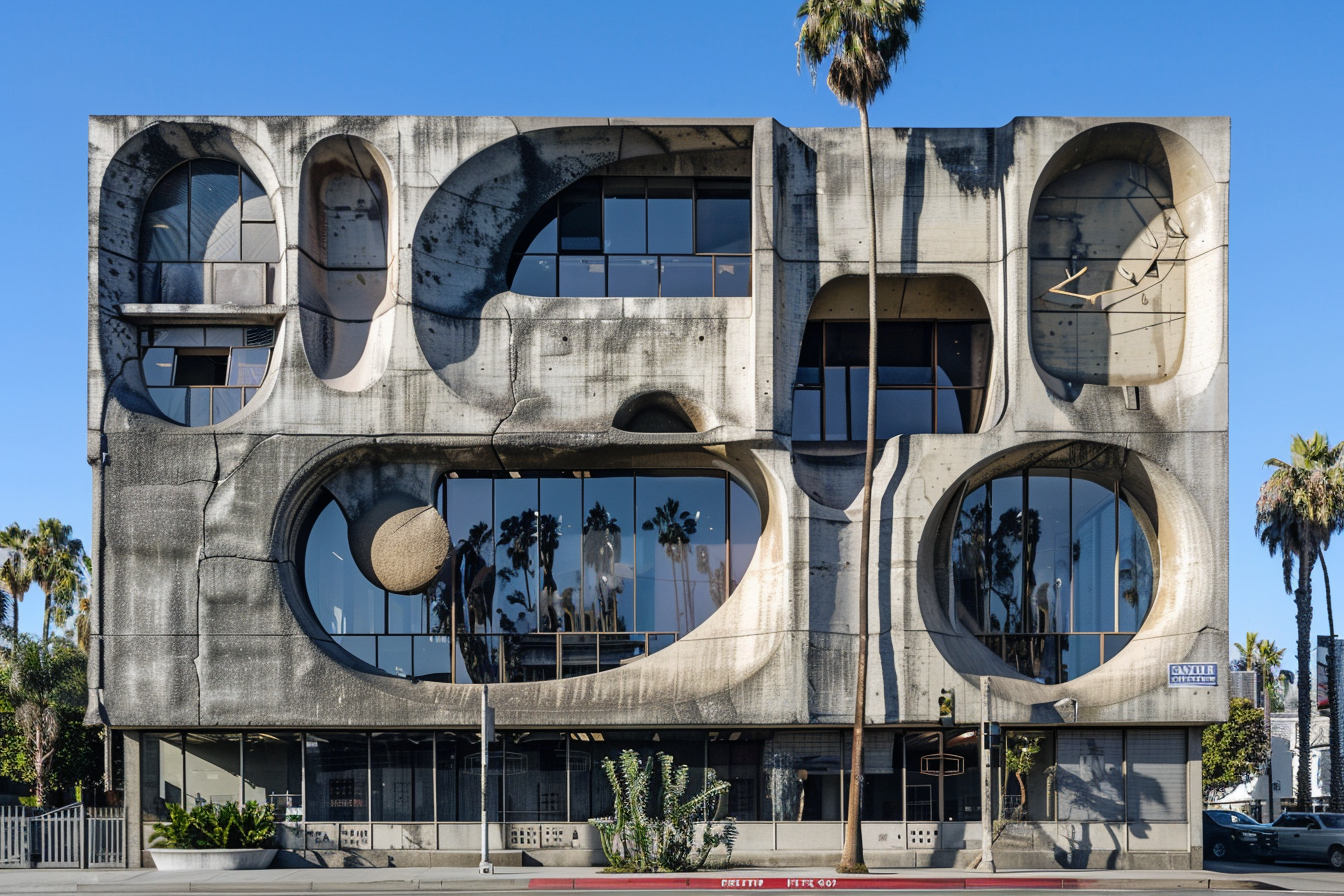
x,y
223,826
634,840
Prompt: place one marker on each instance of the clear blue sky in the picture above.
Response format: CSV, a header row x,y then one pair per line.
x,y
1274,69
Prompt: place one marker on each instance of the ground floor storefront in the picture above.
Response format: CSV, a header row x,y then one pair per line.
x,y
1069,797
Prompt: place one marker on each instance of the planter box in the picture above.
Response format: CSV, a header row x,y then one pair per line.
x,y
211,859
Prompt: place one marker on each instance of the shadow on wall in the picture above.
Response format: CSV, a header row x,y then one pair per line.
x,y
1112,223
345,282
464,239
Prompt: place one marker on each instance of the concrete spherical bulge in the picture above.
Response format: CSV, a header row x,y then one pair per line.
x,y
398,547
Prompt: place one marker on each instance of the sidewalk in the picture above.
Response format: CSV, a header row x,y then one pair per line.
x,y
414,880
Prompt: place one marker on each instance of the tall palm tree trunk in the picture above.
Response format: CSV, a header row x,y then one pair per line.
x,y
851,859
1332,694
1304,679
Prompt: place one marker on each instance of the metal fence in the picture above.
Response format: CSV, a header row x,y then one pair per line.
x,y
72,836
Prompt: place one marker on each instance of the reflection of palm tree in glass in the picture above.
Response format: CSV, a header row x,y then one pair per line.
x,y
517,535
601,553
675,528
716,574
471,584
548,542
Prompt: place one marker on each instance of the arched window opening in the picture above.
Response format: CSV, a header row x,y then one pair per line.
x,y
208,236
199,376
1051,566
638,236
551,575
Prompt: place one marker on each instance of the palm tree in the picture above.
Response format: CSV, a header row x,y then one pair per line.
x,y
1332,692
865,41
60,568
1263,658
1300,505
40,680
16,576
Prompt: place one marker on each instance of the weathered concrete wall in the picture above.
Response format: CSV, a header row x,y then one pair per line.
x,y
200,618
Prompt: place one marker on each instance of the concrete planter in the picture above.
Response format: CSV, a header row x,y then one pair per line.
x,y
212,859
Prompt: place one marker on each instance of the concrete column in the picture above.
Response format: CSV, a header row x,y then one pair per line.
x,y
1194,788
131,798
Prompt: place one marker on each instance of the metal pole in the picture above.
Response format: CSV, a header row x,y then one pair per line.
x,y
986,782
487,734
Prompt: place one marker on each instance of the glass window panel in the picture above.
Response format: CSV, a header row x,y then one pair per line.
x,y
835,403
950,416
581,217
615,649
470,576
670,217
635,275
687,275
962,353
968,559
516,586
609,529
261,242
449,763
531,657
182,284
905,348
172,403
846,345
247,366
540,235
901,412
1047,551
961,779
560,553
537,758
1114,644
681,544
198,404
883,755
182,337
578,655
809,355
337,776
858,403
723,216
583,276
256,205
259,336
535,276
1004,558
623,207
433,657
406,614
361,647
1094,556
476,658
658,642
744,531
343,600
223,337
248,395
402,772
1136,572
213,768
806,414
225,403
200,368
215,211
1079,655
149,284
922,791
160,775
273,772
163,226
732,276
157,364
1035,656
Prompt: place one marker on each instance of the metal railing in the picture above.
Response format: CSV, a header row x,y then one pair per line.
x,y
72,836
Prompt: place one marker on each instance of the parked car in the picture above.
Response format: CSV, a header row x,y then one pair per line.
x,y
1311,837
1231,835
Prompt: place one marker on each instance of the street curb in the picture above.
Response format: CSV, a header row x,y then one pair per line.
x,y
865,882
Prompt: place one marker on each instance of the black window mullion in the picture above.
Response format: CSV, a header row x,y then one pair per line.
x,y
934,336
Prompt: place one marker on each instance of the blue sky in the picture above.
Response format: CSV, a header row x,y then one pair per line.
x,y
975,63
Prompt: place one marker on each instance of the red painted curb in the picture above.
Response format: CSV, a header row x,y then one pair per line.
x,y
659,882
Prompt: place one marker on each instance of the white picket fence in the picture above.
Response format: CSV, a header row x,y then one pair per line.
x,y
72,836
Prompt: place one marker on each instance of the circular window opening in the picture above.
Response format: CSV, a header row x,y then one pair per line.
x,y
1051,565
550,575
199,376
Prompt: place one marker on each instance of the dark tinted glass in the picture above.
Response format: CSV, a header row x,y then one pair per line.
x,y
182,284
807,414
560,554
225,403
1093,556
969,572
904,353
157,364
342,599
516,586
1081,654
1047,550
680,556
623,206
273,771
172,402
1136,571
687,275
1036,657
963,353
835,402
809,357
1004,554
201,370
846,344
403,777
634,275
1114,644
337,777
670,217
539,236
723,216
744,531
163,226
900,412
581,217
215,211
608,554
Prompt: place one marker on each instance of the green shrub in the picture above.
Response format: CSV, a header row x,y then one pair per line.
x,y
635,840
224,826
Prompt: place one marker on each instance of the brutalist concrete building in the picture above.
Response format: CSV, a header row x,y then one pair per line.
x,y
385,409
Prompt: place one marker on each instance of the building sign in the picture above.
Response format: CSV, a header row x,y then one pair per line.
x,y
1192,675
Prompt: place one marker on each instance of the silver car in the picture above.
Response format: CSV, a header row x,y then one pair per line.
x,y
1311,837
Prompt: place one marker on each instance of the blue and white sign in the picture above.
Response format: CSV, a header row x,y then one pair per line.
x,y
1192,675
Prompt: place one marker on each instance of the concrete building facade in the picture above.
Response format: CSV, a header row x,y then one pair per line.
x,y
384,409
